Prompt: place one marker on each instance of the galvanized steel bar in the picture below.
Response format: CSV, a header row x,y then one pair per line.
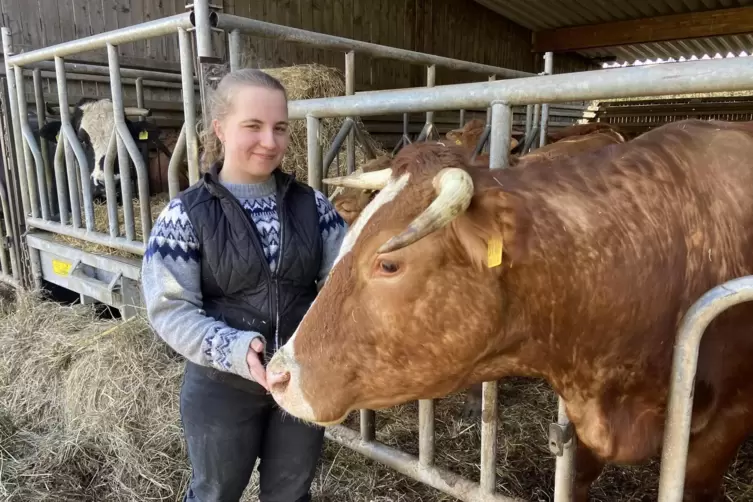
x,y
121,243
189,105
345,132
16,123
728,74
127,143
408,465
350,89
143,31
287,34
488,437
529,119
684,365
314,152
139,96
176,159
49,175
462,118
501,131
30,148
61,181
530,144
15,271
234,48
426,436
110,188
368,425
564,473
548,70
431,79
101,70
73,147
203,28
4,232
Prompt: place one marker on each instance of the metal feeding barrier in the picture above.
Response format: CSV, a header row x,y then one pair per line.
x,y
33,209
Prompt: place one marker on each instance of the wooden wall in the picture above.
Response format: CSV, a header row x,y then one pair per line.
x,y
474,33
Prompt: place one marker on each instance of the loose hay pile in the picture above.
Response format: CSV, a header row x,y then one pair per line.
x,y
304,81
89,412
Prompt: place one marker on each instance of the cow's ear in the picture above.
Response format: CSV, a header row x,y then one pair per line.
x,y
50,130
495,230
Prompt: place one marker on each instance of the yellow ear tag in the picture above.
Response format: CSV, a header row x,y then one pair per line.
x,y
458,142
143,135
57,137
494,252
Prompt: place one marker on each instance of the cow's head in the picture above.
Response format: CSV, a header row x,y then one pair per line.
x,y
470,134
93,122
410,309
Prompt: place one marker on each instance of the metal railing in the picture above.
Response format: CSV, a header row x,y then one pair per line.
x,y
70,167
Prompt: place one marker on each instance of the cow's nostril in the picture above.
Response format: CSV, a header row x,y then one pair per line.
x,y
278,381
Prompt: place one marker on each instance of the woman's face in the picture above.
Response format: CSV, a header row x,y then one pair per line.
x,y
255,134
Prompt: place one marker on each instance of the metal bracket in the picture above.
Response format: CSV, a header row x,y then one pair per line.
x,y
559,436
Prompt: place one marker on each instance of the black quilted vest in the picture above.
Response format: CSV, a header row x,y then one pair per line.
x,y
237,284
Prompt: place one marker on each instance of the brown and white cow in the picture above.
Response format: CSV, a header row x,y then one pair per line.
x,y
455,274
469,135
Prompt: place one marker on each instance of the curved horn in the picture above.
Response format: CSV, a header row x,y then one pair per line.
x,y
375,180
454,189
340,189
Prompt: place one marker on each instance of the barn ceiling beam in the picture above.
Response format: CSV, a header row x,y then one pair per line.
x,y
641,31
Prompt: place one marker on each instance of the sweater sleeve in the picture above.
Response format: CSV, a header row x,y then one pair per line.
x,y
333,229
171,282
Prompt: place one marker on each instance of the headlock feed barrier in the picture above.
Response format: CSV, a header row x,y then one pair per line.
x,y
40,199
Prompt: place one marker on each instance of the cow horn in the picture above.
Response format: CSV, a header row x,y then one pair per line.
x,y
454,189
375,180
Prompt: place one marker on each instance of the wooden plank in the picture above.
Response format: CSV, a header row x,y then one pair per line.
x,y
713,23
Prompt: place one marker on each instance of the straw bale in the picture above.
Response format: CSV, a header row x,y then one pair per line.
x,y
89,412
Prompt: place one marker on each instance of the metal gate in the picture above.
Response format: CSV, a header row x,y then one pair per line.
x,y
116,281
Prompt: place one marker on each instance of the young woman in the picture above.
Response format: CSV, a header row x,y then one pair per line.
x,y
232,265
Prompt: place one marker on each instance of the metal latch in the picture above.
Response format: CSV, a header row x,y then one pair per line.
x,y
559,436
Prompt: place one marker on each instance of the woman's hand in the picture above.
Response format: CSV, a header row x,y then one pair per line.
x,y
254,362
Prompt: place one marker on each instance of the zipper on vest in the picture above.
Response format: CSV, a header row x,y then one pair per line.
x,y
281,217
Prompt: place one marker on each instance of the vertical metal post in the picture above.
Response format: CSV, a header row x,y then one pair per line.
x,y
426,431
34,190
684,366
529,120
140,95
127,148
189,106
462,118
14,255
109,172
350,89
368,425
314,152
548,69
499,140
173,181
60,181
536,123
234,49
431,80
41,115
489,430
72,147
15,119
564,474
203,28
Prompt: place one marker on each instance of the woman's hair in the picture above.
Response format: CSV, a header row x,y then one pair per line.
x,y
219,103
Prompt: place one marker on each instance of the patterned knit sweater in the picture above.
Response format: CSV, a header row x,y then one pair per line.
x,y
171,276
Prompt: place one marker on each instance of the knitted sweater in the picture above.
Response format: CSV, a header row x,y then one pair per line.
x,y
171,279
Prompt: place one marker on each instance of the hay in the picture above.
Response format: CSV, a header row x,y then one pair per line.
x,y
304,81
89,412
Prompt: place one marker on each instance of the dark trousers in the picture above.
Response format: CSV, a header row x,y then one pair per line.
x,y
229,422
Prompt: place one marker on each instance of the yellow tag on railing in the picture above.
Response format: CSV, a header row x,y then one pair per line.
x,y
494,252
61,267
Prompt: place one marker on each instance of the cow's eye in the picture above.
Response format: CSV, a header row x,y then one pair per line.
x,y
388,267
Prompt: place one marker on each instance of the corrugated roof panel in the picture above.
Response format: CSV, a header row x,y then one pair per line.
x,y
539,15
